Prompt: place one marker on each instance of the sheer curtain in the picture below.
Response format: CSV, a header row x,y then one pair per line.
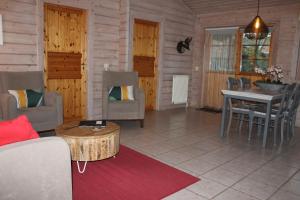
x,y
222,49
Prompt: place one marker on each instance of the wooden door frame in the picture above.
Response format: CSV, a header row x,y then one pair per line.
x,y
89,44
160,21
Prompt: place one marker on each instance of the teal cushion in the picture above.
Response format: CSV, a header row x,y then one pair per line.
x,y
34,98
115,93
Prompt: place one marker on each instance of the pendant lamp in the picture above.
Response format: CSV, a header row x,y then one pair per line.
x,y
257,29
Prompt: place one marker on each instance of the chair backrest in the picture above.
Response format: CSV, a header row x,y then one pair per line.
x,y
294,100
21,80
232,83
245,83
111,79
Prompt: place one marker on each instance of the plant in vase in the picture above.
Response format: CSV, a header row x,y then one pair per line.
x,y
271,78
274,74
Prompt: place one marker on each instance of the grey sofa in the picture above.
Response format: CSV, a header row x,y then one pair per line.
x,y
45,117
38,169
122,110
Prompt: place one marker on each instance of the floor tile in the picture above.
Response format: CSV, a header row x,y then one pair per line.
x,y
292,186
185,195
268,177
231,194
223,176
284,195
207,188
251,187
198,166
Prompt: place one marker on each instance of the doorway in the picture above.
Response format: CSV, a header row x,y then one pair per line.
x,y
65,57
145,58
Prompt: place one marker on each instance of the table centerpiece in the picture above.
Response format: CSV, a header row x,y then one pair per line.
x,y
271,78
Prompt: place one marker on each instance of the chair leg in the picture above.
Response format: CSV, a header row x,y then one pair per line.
x,y
241,123
259,126
229,122
282,131
293,126
250,127
275,131
142,123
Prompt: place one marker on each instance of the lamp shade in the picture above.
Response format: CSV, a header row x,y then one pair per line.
x,y
257,29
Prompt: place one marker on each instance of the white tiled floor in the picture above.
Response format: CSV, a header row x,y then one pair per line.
x,y
229,169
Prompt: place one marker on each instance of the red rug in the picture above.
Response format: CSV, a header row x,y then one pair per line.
x,y
129,176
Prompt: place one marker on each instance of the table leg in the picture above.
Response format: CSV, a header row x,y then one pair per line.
x,y
81,171
268,114
223,116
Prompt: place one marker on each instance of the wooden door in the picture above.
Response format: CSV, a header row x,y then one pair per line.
x,y
145,56
65,57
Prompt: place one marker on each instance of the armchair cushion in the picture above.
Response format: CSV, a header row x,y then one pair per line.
x,y
124,92
16,130
27,98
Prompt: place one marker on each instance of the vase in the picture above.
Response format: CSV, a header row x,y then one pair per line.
x,y
269,86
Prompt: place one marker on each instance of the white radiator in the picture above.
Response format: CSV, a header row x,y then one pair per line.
x,y
180,89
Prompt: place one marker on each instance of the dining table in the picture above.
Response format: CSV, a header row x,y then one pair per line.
x,y
254,95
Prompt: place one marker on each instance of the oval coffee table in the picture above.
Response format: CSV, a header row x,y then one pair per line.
x,y
89,143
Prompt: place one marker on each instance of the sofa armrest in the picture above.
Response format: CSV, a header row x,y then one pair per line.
x,y
54,99
36,169
141,99
8,106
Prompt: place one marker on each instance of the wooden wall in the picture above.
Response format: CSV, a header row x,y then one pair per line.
x,y
20,43
177,23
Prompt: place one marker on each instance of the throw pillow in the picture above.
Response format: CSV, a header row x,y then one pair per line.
x,y
27,98
124,92
16,130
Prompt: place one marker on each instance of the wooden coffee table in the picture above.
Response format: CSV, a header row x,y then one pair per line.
x,y
88,143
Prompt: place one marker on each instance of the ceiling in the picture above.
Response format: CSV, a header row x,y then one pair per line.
x,y
212,6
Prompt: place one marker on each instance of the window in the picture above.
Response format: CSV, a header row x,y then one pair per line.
x,y
255,53
222,50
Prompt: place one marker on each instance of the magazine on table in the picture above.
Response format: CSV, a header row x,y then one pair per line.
x,y
92,123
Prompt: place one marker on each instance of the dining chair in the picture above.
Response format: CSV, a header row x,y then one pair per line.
x,y
289,115
276,116
245,83
236,107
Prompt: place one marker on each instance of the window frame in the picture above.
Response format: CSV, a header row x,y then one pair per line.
x,y
239,54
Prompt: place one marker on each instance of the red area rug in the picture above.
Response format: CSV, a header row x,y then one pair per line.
x,y
129,176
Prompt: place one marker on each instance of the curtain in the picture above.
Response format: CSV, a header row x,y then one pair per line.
x,y
222,50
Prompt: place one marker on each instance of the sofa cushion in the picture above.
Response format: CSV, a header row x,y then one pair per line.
x,y
16,130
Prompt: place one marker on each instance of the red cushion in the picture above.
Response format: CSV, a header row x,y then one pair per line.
x,y
16,130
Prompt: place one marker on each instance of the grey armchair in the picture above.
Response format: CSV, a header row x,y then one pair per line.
x,y
123,110
45,117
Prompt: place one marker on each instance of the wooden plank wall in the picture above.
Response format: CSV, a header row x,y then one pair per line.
x,y
105,46
178,24
20,44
